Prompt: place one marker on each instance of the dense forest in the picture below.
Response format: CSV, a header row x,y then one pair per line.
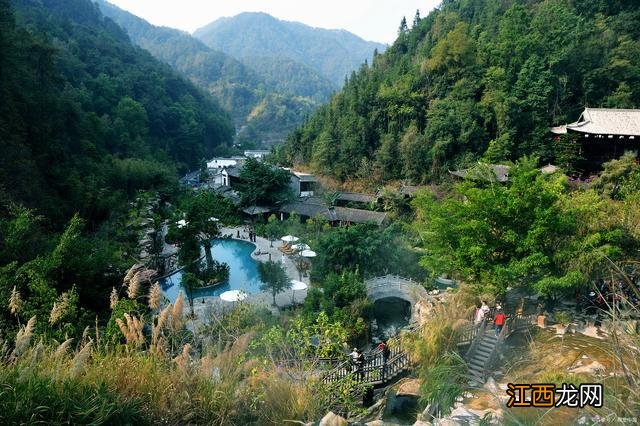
x,y
475,80
267,98
86,121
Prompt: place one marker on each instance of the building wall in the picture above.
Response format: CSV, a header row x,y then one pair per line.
x,y
219,163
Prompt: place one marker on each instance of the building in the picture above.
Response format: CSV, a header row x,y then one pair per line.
x,y
336,216
258,154
355,199
231,176
602,134
219,163
303,184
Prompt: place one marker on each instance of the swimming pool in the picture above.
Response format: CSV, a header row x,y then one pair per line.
x,y
243,271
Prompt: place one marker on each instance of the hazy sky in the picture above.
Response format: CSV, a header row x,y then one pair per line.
x,y
375,20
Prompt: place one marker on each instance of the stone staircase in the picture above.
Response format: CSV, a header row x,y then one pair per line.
x,y
486,345
481,354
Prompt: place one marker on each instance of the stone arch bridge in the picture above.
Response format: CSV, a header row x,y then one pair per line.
x,y
400,287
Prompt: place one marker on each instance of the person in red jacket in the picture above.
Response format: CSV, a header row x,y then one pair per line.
x,y
498,320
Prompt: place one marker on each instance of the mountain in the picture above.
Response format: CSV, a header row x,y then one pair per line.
x,y
475,80
91,127
285,92
334,54
84,110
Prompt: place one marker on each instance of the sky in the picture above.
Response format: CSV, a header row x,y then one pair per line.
x,y
374,20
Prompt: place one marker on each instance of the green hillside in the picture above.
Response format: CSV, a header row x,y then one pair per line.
x,y
86,122
291,89
472,80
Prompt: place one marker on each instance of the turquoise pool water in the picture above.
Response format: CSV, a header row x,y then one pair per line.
x,y
243,271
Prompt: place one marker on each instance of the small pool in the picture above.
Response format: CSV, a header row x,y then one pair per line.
x,y
243,271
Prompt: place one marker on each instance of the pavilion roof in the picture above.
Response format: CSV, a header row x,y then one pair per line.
x,y
604,121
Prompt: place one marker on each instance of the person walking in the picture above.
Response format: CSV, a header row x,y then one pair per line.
x,y
360,365
354,356
498,320
383,347
481,312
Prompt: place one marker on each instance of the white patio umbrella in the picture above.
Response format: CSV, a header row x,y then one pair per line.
x,y
301,247
297,285
308,253
233,296
289,239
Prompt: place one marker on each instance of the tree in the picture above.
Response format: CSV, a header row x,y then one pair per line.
x,y
263,184
403,29
494,234
274,278
273,229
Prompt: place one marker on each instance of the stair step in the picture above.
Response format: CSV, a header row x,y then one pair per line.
x,y
476,365
479,357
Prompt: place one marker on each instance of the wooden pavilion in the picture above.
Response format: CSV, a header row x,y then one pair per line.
x,y
602,134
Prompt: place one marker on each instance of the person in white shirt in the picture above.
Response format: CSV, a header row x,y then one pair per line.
x,y
481,312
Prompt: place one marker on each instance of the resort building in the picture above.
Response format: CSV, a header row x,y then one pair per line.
x,y
602,135
336,216
303,184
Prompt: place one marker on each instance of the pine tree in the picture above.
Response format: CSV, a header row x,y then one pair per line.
x,y
416,18
403,27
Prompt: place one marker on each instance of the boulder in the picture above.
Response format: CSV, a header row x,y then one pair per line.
x,y
332,419
490,386
409,387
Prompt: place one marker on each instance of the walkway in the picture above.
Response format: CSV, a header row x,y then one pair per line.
x,y
374,370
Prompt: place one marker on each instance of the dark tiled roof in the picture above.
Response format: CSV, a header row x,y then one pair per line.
x,y
360,216
356,197
313,207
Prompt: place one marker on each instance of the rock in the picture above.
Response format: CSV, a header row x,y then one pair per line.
x,y
375,423
542,319
332,419
410,387
421,423
490,385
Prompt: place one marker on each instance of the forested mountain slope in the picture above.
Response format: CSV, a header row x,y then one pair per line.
x,y
86,121
475,79
79,102
247,36
291,89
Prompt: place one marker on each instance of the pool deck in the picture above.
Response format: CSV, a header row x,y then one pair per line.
x,y
283,300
